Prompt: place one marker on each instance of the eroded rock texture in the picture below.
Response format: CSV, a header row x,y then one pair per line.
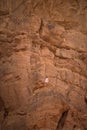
x,y
43,65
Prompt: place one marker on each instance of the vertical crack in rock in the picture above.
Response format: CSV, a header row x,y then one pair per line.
x,y
6,113
62,120
41,26
86,97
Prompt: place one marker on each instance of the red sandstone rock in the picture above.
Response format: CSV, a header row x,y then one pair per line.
x,y
43,65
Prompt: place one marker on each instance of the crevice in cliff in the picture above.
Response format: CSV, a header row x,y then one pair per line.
x,y
3,108
62,120
86,97
6,113
41,27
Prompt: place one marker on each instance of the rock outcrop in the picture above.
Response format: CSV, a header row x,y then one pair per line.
x,y
43,65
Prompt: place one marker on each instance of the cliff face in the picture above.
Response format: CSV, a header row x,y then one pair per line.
x,y
43,65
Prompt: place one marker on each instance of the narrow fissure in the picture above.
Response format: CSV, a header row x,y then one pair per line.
x,y
62,121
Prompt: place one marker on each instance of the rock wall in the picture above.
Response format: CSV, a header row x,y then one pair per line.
x,y
43,65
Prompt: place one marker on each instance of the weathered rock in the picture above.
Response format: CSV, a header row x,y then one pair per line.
x,y
43,65
49,106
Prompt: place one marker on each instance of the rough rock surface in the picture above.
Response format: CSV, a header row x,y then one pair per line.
x,y
43,65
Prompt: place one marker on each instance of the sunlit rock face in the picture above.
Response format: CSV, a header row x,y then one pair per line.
x,y
43,65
